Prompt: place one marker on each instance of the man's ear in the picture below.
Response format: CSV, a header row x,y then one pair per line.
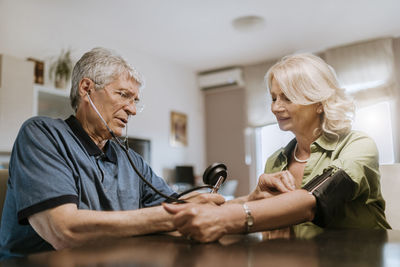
x,y
86,85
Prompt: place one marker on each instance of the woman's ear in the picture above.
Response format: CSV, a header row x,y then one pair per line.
x,y
320,108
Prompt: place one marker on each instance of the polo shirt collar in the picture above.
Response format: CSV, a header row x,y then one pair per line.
x,y
289,148
323,141
87,142
327,143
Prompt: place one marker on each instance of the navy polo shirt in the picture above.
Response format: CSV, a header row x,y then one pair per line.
x,y
54,162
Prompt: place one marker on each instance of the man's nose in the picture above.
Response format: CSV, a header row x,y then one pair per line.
x,y
130,108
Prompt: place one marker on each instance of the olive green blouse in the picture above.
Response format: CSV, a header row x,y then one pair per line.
x,y
357,155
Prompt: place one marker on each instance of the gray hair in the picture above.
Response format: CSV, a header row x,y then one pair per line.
x,y
306,79
102,66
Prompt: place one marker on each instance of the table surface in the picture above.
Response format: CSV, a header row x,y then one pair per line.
x,y
330,248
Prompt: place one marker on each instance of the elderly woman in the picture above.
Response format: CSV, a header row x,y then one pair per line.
x,y
327,176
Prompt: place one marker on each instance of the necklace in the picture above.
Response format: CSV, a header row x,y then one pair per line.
x,y
296,159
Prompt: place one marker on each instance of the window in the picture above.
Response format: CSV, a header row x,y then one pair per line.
x,y
375,120
269,138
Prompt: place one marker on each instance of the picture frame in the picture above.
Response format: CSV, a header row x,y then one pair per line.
x,y
178,135
38,71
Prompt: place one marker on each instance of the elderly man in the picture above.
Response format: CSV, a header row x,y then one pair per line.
x,y
71,184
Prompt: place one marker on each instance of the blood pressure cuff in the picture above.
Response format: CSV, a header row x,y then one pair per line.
x,y
332,189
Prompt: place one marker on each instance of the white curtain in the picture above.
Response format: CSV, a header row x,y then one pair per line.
x,y
365,70
368,71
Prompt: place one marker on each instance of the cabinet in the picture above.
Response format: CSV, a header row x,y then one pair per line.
x,y
21,99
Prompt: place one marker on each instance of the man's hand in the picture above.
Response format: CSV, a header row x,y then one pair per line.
x,y
201,222
273,184
204,198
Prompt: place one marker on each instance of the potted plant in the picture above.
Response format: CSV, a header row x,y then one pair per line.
x,y
61,69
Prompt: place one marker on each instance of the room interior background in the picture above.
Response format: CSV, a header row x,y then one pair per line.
x,y
223,123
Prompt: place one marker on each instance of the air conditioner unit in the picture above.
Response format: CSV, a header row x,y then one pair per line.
x,y
221,78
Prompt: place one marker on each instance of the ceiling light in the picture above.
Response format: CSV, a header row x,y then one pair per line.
x,y
248,23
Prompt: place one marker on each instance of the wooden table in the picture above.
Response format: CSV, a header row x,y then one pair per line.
x,y
331,248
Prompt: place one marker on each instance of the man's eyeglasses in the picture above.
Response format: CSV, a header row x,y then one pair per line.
x,y
130,99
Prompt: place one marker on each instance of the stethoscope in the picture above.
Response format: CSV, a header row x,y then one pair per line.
x,y
214,176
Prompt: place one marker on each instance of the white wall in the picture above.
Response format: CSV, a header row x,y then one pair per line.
x,y
168,88
35,29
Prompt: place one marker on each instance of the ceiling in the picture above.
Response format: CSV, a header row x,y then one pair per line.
x,y
198,34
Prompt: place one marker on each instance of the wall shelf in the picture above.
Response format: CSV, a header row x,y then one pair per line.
x,y
21,99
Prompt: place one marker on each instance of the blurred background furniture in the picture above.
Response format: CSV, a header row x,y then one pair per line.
x,y
184,178
184,174
390,184
228,189
142,147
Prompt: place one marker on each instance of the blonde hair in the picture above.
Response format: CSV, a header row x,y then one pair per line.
x,y
306,79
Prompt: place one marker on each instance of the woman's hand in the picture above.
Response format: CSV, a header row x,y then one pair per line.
x,y
272,184
201,222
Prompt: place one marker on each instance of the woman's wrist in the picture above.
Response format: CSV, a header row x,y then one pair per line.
x,y
234,217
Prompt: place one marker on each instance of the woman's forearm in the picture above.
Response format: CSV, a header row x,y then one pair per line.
x,y
272,213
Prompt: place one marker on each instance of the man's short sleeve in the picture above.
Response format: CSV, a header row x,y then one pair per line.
x,y
39,174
